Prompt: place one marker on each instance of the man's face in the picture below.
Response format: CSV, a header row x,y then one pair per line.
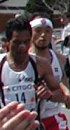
x,y
41,36
19,45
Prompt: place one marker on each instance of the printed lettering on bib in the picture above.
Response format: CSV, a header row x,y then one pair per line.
x,y
23,93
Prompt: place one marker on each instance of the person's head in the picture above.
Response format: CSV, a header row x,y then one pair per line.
x,y
65,18
18,33
67,41
4,44
42,29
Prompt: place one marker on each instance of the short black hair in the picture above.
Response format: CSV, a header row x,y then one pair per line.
x,y
66,41
3,39
19,23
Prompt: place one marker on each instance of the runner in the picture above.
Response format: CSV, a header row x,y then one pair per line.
x,y
42,29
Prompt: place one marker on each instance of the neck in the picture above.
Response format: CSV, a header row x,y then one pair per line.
x,y
44,53
16,66
36,49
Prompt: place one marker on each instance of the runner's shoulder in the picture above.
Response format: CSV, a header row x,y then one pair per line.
x,y
38,58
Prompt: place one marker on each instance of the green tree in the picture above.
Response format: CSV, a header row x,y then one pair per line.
x,y
35,6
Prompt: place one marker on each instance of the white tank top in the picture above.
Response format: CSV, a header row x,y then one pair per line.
x,y
10,77
19,85
56,68
49,108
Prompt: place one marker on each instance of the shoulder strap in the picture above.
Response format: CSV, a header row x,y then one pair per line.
x,y
35,69
1,83
1,65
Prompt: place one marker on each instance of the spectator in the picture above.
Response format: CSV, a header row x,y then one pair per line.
x,y
66,46
15,116
66,23
65,49
4,44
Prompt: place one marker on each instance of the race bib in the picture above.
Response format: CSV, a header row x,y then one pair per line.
x,y
23,93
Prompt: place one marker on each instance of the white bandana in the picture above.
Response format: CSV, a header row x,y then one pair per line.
x,y
41,22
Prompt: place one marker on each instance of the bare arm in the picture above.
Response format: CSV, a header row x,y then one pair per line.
x,y
62,61
61,93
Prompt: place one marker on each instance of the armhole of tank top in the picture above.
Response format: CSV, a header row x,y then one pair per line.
x,y
1,65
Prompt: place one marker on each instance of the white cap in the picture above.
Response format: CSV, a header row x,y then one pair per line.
x,y
37,22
